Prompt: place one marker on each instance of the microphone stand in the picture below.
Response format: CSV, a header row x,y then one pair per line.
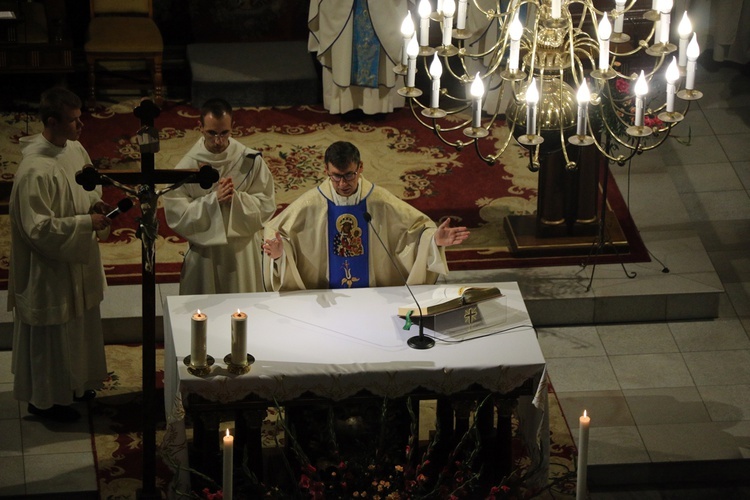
x,y
417,341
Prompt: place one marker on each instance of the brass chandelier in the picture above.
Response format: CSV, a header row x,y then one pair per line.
x,y
554,68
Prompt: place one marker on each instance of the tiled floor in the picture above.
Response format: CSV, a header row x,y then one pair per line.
x,y
667,392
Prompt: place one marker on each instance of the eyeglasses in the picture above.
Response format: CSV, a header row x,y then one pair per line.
x,y
214,134
349,176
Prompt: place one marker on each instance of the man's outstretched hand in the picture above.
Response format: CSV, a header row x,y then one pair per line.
x,y
447,236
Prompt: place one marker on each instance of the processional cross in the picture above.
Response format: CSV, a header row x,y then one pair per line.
x,y
148,197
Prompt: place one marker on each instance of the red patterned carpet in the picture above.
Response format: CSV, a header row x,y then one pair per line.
x,y
398,154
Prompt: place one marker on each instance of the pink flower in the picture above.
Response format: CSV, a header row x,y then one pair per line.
x,y
622,86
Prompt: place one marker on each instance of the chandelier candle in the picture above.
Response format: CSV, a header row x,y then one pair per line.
x,y
424,10
198,339
583,96
407,31
666,9
515,32
605,31
449,8
239,338
477,91
436,71
693,51
641,89
532,97
412,50
619,6
684,29
461,16
673,74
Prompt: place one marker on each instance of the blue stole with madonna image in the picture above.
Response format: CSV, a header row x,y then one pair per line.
x,y
348,253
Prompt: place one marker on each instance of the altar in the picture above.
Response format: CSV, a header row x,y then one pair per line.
x,y
335,344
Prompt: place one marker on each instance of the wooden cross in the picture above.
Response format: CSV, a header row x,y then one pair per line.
x,y
148,196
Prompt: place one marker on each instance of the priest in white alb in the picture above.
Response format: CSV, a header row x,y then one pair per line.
x,y
327,237
220,222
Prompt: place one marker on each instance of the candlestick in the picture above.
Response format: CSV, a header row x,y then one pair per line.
x,y
461,16
685,28
583,451
693,51
239,338
449,8
198,339
619,6
532,97
424,10
515,31
605,31
228,466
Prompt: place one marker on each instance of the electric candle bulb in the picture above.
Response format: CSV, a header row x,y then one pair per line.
x,y
407,30
461,15
424,10
693,51
684,29
673,74
605,31
449,8
436,71
665,7
619,7
641,89
532,97
412,50
583,96
477,91
515,31
555,11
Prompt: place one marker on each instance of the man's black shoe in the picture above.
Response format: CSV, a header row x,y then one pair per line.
x,y
58,413
88,395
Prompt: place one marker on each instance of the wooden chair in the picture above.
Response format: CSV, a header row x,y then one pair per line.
x,y
124,30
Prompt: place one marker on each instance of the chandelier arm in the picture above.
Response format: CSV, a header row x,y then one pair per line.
x,y
489,159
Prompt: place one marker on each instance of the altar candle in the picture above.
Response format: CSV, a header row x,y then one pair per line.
x,y
684,29
532,97
583,450
449,8
228,466
239,338
605,31
424,10
198,339
693,51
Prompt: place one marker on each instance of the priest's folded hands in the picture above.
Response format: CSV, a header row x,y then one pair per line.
x,y
447,236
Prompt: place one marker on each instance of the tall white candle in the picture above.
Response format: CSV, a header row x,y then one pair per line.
x,y
436,71
228,466
673,74
605,31
461,15
641,89
425,9
449,8
407,31
684,29
693,51
411,71
515,31
532,97
619,20
556,9
583,96
583,454
198,339
477,91
666,12
239,338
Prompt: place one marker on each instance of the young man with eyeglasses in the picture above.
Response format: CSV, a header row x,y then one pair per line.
x,y
324,240
220,222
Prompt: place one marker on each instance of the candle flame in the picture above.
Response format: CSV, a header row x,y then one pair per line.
x,y
238,311
227,434
198,311
584,414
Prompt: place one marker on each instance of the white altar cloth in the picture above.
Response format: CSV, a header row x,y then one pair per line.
x,y
334,343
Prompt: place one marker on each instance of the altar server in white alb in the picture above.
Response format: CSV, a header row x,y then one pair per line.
x,y
323,239
219,222
56,280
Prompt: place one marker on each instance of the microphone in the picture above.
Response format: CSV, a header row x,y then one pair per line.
x,y
123,206
417,341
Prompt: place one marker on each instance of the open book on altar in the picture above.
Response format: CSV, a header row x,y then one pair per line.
x,y
446,299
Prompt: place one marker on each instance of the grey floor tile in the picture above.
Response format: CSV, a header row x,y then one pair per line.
x,y
12,479
728,205
672,405
60,473
8,405
729,120
636,338
742,168
655,202
739,297
614,445
719,367
721,235
582,374
727,403
708,177
566,342
10,438
42,437
736,147
719,334
6,376
694,441
695,124
642,371
732,266
608,407
702,150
